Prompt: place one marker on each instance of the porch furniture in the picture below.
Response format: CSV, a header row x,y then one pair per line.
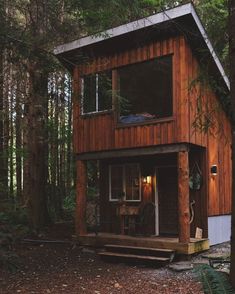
x,y
146,215
127,213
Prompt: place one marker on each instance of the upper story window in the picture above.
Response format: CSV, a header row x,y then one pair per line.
x,y
96,92
145,90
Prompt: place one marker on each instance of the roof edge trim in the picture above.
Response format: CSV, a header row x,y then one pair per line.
x,y
126,28
149,21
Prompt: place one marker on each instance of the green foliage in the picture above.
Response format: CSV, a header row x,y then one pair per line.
x,y
206,117
17,221
69,203
214,15
13,226
213,282
8,259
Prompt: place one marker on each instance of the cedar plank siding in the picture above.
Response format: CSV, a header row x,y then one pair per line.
x,y
101,132
217,140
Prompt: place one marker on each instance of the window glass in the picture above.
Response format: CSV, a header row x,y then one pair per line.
x,y
145,90
132,176
97,92
116,175
125,182
105,91
89,93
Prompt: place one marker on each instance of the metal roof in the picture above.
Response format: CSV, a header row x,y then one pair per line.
x,y
150,21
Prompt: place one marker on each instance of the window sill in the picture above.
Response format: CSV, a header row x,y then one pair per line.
x,y
125,201
89,114
147,122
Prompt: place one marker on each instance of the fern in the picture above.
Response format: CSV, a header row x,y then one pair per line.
x,y
214,282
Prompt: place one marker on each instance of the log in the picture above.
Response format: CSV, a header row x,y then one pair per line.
x,y
81,191
183,197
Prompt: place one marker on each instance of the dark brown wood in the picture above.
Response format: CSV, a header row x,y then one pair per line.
x,y
81,191
183,197
231,6
197,156
134,256
100,136
167,182
102,239
163,149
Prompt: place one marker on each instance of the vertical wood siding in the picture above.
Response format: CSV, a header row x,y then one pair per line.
x,y
100,132
216,139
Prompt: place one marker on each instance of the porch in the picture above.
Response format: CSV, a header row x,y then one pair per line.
x,y
188,248
145,200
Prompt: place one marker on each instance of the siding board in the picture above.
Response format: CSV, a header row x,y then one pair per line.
x,y
101,132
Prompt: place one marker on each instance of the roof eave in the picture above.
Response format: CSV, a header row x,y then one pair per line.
x,y
171,14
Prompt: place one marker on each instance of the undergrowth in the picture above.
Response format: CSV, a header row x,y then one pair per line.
x,y
13,226
214,282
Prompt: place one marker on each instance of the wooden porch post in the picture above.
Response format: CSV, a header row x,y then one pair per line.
x,y
81,191
183,197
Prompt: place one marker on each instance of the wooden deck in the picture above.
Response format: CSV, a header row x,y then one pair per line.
x,y
194,246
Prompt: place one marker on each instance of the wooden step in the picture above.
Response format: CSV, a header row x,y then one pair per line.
x,y
141,251
158,261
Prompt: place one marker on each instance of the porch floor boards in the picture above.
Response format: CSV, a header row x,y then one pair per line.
x,y
194,246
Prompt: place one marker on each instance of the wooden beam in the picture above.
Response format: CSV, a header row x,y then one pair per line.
x,y
81,191
159,149
183,197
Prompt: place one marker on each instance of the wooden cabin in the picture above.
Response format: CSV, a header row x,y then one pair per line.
x,y
144,109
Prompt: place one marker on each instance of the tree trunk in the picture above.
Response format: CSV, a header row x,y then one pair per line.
x,y
36,147
3,168
36,150
26,163
18,145
11,141
232,80
3,175
69,137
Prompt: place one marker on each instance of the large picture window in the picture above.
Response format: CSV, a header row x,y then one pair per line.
x,y
145,90
96,92
124,182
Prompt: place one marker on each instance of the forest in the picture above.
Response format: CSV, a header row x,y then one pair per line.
x,y
37,164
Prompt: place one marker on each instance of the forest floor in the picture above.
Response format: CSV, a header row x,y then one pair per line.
x,y
66,268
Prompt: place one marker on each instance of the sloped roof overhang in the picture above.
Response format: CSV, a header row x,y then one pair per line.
x,y
179,20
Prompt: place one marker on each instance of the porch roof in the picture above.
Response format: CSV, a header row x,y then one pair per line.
x,y
133,152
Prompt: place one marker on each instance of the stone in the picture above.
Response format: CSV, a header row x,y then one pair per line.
x,y
217,256
181,266
88,250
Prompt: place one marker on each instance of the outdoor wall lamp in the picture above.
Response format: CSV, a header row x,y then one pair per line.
x,y
214,170
147,180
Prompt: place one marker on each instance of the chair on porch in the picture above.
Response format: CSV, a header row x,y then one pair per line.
x,y
144,221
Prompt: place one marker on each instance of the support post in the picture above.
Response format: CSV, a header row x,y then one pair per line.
x,y
81,191
183,197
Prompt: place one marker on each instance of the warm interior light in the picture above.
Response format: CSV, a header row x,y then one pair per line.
x,y
214,170
148,179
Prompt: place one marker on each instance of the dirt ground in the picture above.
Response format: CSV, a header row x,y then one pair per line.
x,y
67,268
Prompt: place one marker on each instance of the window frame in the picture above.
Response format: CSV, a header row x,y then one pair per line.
x,y
154,120
124,182
96,95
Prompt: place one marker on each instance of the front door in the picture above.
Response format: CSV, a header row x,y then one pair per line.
x,y
167,200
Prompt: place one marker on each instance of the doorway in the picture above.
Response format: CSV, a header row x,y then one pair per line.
x,y
166,200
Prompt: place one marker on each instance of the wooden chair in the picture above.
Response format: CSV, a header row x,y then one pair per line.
x,y
144,220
